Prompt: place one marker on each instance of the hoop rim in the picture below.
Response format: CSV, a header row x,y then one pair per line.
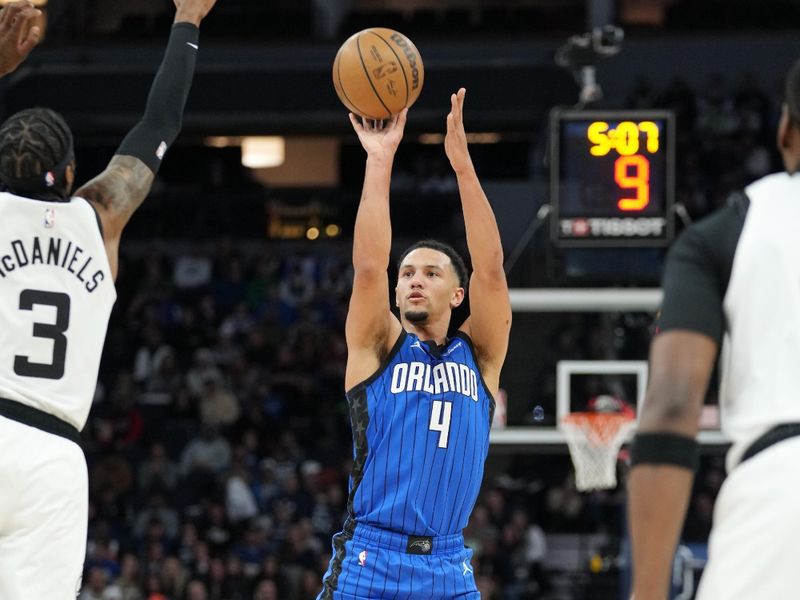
x,y
589,416
603,427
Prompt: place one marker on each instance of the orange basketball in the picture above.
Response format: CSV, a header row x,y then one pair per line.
x,y
377,73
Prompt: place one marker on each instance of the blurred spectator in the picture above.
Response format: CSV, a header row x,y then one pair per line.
x,y
128,586
266,590
196,590
297,288
207,453
192,270
149,355
157,471
218,406
96,587
203,369
157,509
240,503
173,577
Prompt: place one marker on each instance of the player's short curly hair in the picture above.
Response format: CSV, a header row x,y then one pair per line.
x,y
35,149
455,258
792,92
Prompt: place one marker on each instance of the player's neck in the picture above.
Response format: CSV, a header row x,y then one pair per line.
x,y
436,332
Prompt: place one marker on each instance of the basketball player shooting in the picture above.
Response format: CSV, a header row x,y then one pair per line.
x,y
58,262
420,403
754,302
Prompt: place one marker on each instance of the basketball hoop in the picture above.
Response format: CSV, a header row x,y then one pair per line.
x,y
594,440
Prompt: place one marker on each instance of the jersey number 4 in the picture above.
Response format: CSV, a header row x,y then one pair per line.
x,y
49,331
440,420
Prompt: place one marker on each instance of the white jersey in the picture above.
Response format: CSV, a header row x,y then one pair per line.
x,y
762,309
56,295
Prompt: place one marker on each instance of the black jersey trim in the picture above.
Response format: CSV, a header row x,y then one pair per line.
x,y
384,363
331,582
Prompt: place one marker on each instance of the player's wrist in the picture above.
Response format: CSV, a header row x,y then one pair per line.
x,y
466,169
191,17
381,160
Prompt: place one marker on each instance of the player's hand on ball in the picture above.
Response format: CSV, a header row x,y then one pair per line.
x,y
192,11
380,139
455,142
18,35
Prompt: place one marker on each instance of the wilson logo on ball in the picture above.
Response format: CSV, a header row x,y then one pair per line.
x,y
377,73
411,55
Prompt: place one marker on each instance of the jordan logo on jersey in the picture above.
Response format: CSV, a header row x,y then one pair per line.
x,y
439,379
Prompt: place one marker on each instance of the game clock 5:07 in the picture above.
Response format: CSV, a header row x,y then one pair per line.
x,y
611,177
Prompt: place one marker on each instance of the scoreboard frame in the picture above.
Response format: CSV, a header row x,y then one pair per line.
x,y
641,223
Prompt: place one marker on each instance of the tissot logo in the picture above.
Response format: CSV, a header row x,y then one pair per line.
x,y
613,227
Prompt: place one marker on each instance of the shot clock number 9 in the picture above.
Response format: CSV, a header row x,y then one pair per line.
x,y
611,177
631,169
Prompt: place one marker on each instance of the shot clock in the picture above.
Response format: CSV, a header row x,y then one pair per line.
x,y
611,178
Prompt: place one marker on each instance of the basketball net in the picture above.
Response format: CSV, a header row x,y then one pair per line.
x,y
594,440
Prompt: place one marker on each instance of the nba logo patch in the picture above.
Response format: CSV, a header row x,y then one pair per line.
x,y
362,558
50,218
161,150
49,179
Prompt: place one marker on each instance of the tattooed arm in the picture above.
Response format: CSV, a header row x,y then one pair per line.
x,y
116,193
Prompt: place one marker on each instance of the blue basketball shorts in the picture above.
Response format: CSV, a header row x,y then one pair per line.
x,y
370,563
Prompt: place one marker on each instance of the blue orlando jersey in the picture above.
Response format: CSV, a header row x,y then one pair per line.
x,y
420,435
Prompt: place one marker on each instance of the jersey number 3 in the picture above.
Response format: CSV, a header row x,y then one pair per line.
x,y
440,420
49,331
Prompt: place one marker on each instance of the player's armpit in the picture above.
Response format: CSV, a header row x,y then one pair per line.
x,y
371,328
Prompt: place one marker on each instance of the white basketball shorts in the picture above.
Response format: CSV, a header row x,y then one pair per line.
x,y
43,514
754,539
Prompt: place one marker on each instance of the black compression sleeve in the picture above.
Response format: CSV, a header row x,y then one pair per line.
x,y
152,136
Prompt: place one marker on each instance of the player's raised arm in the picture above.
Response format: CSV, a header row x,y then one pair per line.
x,y
18,34
489,322
371,328
122,187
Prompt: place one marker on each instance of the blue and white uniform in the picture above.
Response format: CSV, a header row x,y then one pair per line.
x,y
421,436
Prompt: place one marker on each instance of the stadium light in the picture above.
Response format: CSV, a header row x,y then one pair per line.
x,y
263,151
